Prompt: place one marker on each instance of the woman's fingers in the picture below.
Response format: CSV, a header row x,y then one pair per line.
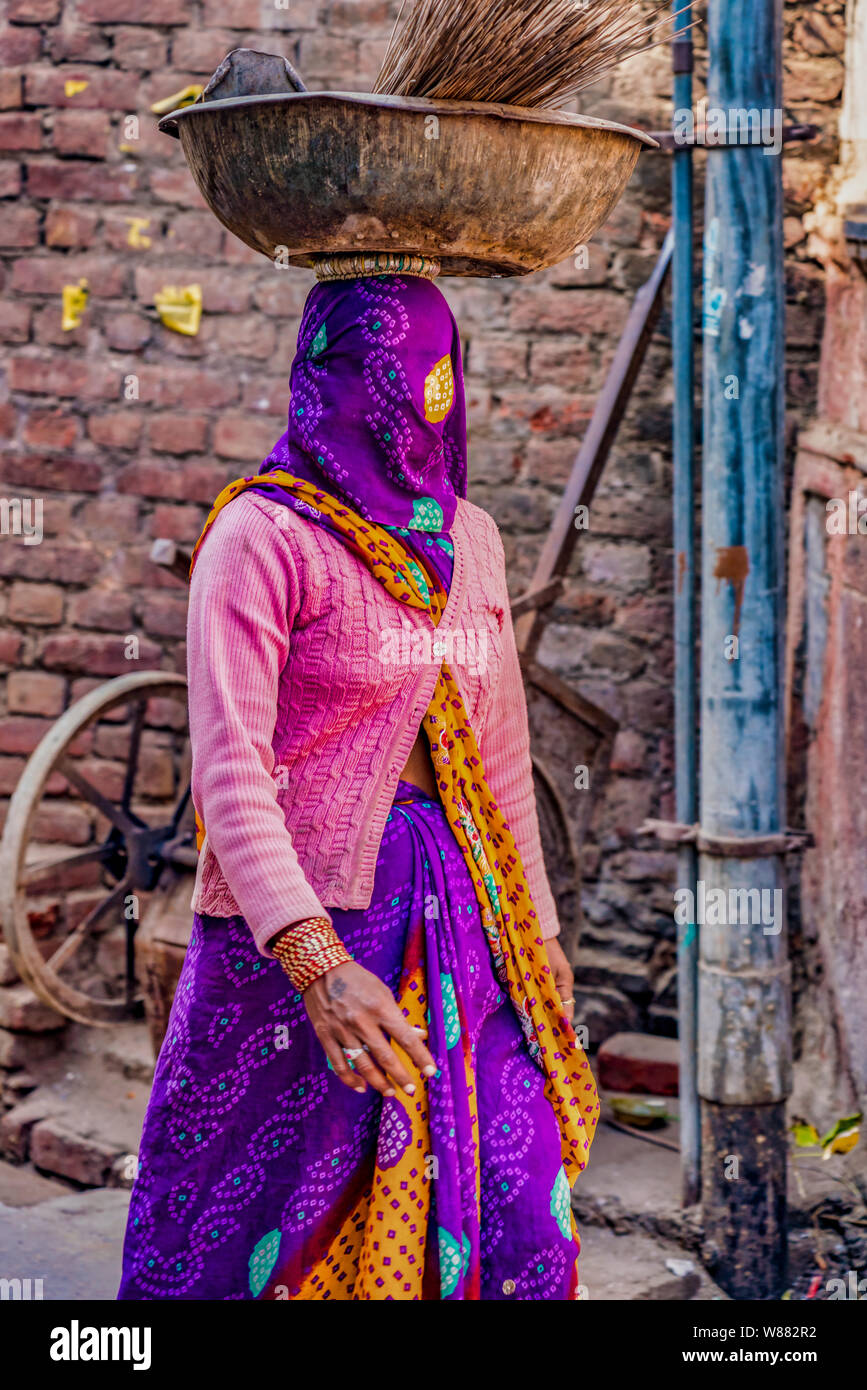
x,y
340,1066
384,1054
392,1022
411,1041
365,1063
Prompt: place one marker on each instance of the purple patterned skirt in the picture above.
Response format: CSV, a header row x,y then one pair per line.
x,y
253,1153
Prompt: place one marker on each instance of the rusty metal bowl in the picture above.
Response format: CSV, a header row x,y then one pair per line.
x,y
488,190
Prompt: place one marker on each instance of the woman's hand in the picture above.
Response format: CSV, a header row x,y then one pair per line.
x,y
564,979
351,1008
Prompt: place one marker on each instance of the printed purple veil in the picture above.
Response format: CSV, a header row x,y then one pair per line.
x,y
377,414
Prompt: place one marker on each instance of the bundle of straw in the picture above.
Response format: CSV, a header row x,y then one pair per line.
x,y
521,52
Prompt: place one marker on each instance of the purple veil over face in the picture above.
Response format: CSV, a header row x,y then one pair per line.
x,y
377,414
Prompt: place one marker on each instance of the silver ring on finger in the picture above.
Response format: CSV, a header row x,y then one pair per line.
x,y
352,1053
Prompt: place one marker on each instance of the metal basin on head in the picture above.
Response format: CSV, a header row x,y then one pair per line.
x,y
488,190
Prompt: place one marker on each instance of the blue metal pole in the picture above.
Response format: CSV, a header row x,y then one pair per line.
x,y
744,988
684,602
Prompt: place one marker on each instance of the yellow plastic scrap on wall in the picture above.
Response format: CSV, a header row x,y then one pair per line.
x,y
185,97
73,86
135,236
74,305
180,308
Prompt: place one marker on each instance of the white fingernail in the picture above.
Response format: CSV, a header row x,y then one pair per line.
x,y
410,1090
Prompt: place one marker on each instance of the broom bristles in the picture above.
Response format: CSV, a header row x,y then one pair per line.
x,y
519,52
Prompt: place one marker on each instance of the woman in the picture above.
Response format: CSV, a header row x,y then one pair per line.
x,y
403,1116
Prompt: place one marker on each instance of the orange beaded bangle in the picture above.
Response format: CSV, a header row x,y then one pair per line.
x,y
308,949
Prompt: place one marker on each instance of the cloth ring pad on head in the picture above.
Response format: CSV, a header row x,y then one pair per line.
x,y
356,264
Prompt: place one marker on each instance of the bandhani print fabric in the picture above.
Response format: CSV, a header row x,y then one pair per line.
x,y
262,1177
377,415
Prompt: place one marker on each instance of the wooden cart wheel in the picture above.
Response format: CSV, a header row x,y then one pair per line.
x,y
102,806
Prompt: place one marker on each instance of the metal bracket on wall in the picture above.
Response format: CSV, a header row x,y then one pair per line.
x,y
728,846
669,141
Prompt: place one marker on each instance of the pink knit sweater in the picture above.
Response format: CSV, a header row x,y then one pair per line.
x,y
308,684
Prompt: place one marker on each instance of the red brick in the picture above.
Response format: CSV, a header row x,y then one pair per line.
x,y
101,513
127,332
56,375
10,648
196,232
105,277
199,482
282,293
116,91
554,413
20,130
19,227
105,609
118,429
568,311
165,616
324,56
51,429
355,14
82,132
252,14
79,180
369,61
77,43
176,523
33,11
56,1148
22,734
639,1062
62,474
100,656
176,185
19,46
563,363
70,226
35,692
135,11
140,48
69,825
67,564
8,413
176,386
57,514
39,603
14,321
269,397
11,90
10,180
236,253
244,437
178,434
202,50
249,335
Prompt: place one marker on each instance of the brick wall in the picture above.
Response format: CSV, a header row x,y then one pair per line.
x,y
85,197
